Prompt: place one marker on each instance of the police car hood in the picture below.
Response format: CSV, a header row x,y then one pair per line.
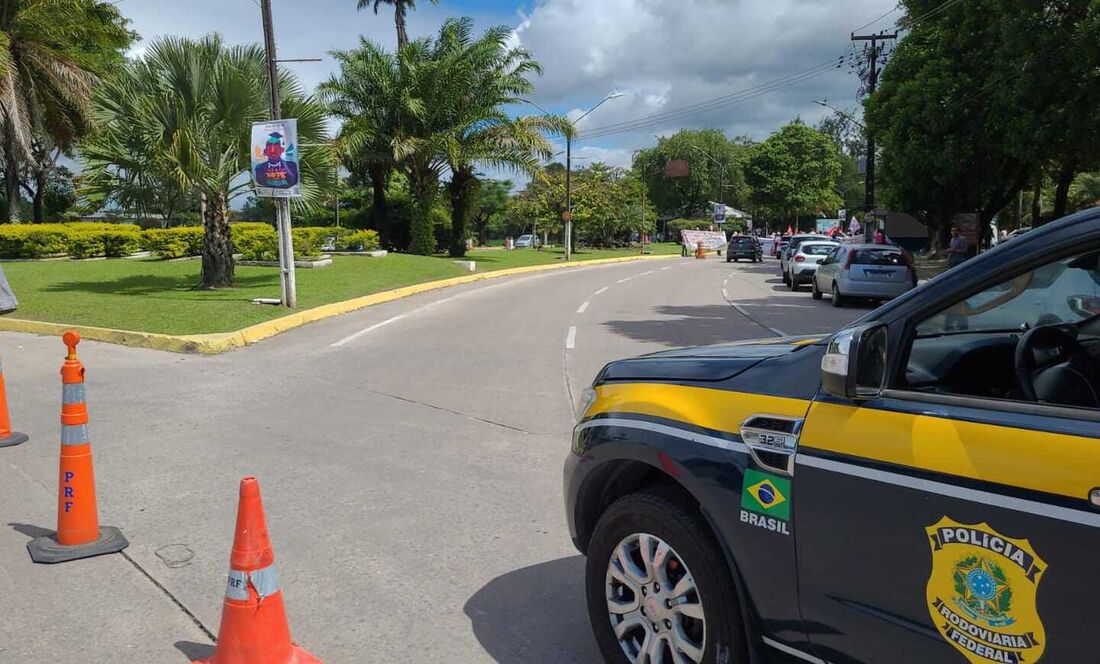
x,y
718,362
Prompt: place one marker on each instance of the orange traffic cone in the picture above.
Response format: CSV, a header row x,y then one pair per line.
x,y
254,629
79,534
8,438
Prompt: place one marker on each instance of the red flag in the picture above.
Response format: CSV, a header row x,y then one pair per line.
x,y
789,230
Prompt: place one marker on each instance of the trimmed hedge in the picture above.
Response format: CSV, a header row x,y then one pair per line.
x,y
78,240
173,242
254,241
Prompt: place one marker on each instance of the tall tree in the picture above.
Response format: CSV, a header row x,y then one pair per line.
x,y
981,98
492,75
492,199
368,97
794,172
707,152
50,56
400,12
184,112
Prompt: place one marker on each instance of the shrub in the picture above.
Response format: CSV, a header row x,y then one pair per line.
x,y
85,244
33,241
173,242
118,243
258,242
308,242
359,241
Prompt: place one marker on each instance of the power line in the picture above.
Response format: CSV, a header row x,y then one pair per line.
x,y
895,8
712,104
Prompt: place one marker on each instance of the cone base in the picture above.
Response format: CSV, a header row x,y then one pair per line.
x,y
297,656
14,438
47,550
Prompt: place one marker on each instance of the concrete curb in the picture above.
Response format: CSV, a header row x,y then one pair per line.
x,y
212,344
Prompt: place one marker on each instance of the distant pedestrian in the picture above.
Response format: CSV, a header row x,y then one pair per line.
x,y
958,249
880,237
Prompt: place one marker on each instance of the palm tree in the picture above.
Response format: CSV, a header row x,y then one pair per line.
x,y
400,11
495,75
182,116
367,97
50,56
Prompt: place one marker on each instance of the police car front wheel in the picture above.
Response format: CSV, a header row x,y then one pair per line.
x,y
657,585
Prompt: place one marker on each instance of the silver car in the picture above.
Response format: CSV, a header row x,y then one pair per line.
x,y
803,263
868,271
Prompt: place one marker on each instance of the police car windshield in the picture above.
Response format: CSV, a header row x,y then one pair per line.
x,y
1064,291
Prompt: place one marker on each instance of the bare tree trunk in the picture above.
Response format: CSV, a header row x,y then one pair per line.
x,y
40,195
399,19
1061,191
1037,200
217,246
380,211
11,188
461,187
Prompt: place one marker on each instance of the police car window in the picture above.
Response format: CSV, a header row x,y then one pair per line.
x,y
1065,291
969,348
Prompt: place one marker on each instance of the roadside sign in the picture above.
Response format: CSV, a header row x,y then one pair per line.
x,y
275,156
841,214
719,213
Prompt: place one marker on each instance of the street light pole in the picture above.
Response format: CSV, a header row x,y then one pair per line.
x,y
282,205
569,167
720,198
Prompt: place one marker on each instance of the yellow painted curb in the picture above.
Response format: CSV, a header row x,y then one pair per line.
x,y
219,343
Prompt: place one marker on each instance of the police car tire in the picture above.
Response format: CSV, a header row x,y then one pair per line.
x,y
663,514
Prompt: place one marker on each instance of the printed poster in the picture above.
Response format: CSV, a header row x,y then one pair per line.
x,y
275,159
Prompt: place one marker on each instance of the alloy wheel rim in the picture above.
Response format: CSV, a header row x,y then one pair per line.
x,y
653,603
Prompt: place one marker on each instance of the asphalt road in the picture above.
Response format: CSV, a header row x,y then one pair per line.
x,y
409,454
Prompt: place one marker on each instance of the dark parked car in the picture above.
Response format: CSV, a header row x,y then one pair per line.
x,y
744,246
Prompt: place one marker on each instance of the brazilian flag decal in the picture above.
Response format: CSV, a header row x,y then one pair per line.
x,y
768,494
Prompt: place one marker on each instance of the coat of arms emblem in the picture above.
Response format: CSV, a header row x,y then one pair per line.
x,y
982,593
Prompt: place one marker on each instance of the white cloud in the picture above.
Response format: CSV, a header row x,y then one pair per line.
x,y
668,55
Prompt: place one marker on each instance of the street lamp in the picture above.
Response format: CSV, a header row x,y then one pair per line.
x,y
826,104
569,136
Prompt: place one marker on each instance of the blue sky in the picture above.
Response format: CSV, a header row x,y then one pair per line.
x,y
663,56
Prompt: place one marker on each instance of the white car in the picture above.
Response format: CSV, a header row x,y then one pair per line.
x,y
803,263
787,253
527,241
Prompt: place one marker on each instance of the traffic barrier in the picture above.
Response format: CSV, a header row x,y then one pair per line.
x,y
254,628
78,534
8,438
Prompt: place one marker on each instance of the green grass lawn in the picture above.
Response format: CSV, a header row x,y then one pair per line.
x,y
157,296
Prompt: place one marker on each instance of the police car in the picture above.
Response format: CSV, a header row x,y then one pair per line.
x,y
922,486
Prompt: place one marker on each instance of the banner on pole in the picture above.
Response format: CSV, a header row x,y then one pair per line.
x,y
275,159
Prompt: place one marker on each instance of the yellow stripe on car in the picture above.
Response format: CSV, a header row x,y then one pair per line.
x,y
1054,463
719,410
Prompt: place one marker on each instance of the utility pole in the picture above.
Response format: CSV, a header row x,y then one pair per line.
x,y
872,84
569,194
282,205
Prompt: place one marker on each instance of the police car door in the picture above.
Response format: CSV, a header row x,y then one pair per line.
x,y
948,519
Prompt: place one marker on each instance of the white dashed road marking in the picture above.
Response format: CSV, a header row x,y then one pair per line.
x,y
582,308
669,267
360,333
602,290
645,273
571,338
725,294
623,281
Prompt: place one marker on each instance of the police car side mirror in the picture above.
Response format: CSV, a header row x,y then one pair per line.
x,y
854,365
